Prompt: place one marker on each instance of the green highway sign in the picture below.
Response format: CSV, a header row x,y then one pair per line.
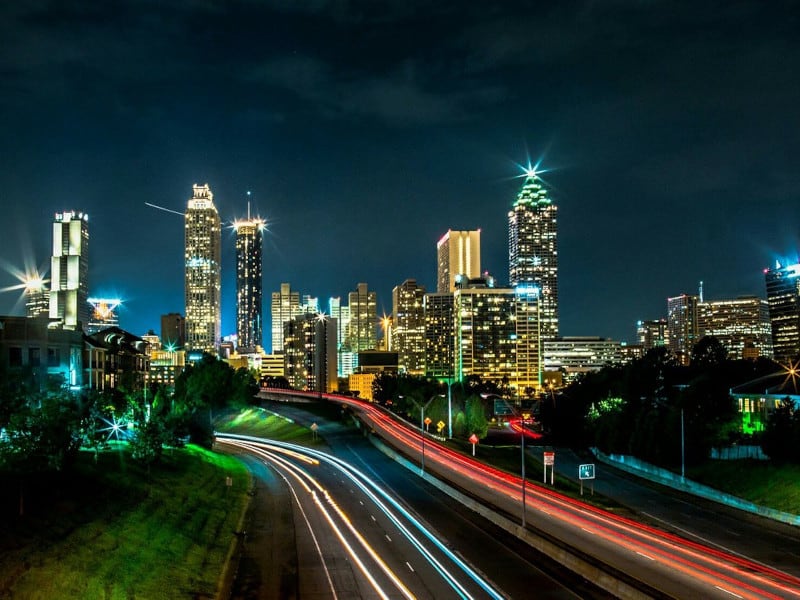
x,y
586,471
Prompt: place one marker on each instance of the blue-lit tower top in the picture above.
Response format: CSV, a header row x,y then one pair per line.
x,y
533,248
783,296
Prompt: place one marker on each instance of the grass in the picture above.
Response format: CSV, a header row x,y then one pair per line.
x,y
114,530
263,423
760,482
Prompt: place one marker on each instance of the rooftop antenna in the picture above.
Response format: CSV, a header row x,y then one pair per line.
x,y
248,205
701,290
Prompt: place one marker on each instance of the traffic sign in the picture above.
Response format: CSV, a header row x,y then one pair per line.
x,y
314,427
440,425
427,420
473,439
586,471
549,458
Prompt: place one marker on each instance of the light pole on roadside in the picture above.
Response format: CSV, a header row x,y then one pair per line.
x,y
422,408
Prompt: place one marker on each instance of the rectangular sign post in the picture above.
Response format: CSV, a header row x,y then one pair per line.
x,y
549,460
586,472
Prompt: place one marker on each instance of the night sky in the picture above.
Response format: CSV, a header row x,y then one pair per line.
x,y
670,133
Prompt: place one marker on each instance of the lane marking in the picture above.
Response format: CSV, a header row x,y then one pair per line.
x,y
645,555
728,592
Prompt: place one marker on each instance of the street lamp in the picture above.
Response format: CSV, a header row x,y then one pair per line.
x,y
522,449
422,427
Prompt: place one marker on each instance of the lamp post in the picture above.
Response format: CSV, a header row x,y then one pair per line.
x,y
449,408
422,408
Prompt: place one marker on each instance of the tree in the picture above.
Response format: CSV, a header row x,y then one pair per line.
x,y
781,439
476,417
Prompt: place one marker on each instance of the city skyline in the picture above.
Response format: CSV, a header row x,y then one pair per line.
x,y
666,137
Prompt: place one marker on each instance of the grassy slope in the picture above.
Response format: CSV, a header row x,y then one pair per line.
x,y
115,531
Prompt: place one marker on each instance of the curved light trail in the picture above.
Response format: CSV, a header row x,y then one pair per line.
x,y
385,502
660,559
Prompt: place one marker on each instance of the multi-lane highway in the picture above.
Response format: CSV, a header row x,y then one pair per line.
x,y
672,564
355,538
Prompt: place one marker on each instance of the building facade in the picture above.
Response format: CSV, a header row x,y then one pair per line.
x,y
69,270
577,355
103,314
285,307
249,296
203,283
173,330
682,326
408,330
783,296
439,335
310,353
741,325
457,253
652,334
361,331
37,298
533,248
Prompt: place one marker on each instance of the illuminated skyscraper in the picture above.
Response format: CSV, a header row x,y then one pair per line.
x,y
285,307
533,249
682,326
37,297
361,331
248,283
69,270
457,253
652,334
202,274
408,335
439,335
783,295
741,325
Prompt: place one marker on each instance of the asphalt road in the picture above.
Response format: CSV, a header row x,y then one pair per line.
x,y
270,567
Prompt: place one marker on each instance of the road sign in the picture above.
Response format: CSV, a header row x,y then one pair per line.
x,y
586,471
440,425
314,427
427,420
473,439
549,458
526,416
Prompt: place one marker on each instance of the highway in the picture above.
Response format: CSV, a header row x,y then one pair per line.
x,y
672,564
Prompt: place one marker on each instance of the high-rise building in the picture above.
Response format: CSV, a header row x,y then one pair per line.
x,y
652,334
249,298
203,272
741,325
285,307
439,335
173,330
103,314
345,360
310,352
533,248
457,253
408,326
361,332
682,326
497,336
578,355
69,270
37,297
783,296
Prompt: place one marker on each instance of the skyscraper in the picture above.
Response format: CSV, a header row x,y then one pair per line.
x,y
408,334
202,274
285,307
439,335
783,295
173,330
682,326
69,270
652,334
533,249
37,297
248,283
361,332
741,325
457,253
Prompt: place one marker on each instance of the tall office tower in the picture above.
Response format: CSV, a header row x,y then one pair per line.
x,y
37,297
497,336
285,307
439,335
532,248
69,270
457,253
408,330
173,331
202,272
652,334
249,297
361,332
783,295
310,352
344,359
103,314
742,325
682,326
